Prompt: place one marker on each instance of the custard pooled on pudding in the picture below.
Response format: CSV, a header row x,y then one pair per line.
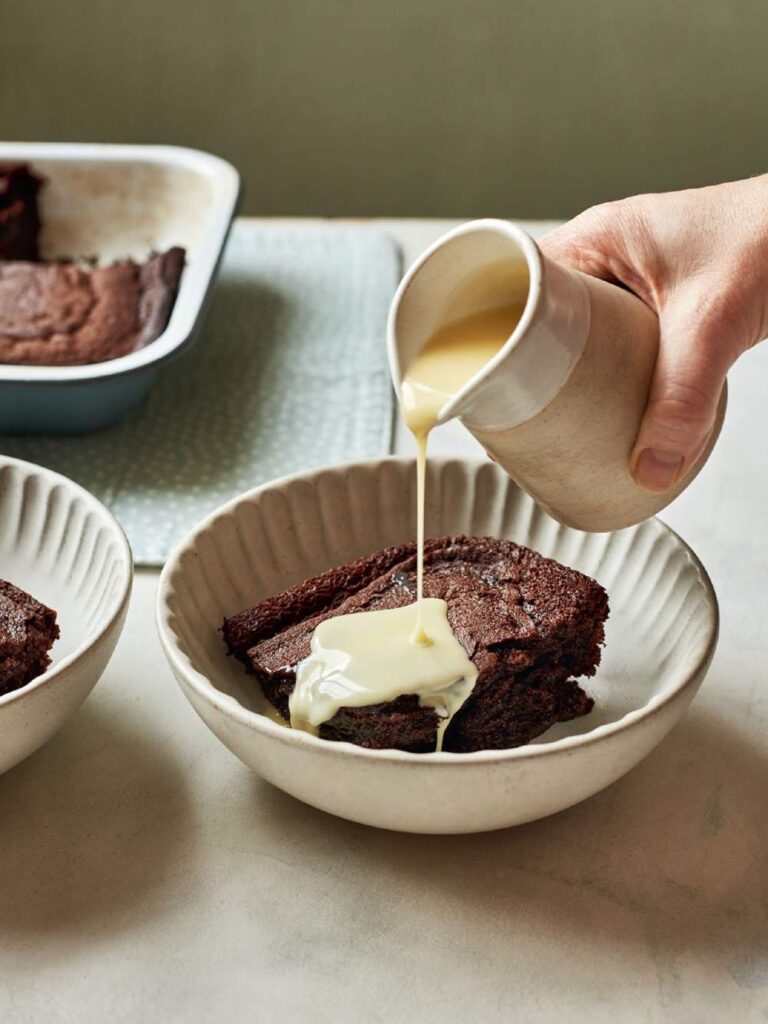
x,y
528,625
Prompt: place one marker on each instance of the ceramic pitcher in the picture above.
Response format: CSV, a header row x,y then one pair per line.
x,y
560,405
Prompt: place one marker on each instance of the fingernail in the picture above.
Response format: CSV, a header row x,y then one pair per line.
x,y
655,470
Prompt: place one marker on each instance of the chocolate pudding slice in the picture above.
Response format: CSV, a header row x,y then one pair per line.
x,y
529,624
27,632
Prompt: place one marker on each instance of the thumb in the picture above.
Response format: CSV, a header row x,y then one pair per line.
x,y
682,404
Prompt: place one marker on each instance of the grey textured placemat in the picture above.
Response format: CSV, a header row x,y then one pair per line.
x,y
290,374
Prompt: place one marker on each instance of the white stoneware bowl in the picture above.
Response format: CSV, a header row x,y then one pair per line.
x,y
661,636
61,545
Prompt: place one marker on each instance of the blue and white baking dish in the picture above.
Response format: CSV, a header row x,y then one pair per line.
x,y
114,201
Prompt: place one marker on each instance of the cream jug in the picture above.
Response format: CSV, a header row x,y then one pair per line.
x,y
560,404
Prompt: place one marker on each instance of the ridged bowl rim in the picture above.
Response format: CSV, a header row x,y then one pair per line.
x,y
56,671
202,685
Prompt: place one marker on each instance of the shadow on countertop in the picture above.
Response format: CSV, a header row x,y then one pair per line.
x,y
106,841
671,860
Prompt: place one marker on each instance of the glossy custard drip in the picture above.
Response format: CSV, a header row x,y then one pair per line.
x,y
453,356
374,657
369,658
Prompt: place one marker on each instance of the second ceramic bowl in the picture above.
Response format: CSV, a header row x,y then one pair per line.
x,y
659,641
61,545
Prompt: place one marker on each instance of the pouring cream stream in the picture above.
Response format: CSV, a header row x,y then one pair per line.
x,y
373,657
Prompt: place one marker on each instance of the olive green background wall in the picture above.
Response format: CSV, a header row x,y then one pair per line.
x,y
405,107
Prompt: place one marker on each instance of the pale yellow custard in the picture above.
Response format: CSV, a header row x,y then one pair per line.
x,y
369,658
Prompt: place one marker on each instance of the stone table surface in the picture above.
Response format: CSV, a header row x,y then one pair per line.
x,y
146,875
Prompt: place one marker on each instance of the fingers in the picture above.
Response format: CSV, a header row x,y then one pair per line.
x,y
682,406
710,309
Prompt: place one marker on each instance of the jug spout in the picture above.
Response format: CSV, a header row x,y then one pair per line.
x,y
476,268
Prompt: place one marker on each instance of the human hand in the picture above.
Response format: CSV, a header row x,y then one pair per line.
x,y
699,259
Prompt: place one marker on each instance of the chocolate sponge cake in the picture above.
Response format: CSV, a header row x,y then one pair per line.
x,y
28,630
528,623
55,314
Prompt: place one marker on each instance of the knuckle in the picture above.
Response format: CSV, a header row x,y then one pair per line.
x,y
603,216
628,229
595,241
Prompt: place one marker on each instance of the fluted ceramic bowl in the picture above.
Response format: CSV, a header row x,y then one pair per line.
x,y
660,639
63,547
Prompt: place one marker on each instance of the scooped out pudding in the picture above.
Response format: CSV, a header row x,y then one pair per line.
x,y
529,626
73,312
61,314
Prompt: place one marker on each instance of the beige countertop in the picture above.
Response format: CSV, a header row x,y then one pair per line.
x,y
146,875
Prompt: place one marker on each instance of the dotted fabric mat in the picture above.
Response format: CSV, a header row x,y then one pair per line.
x,y
290,374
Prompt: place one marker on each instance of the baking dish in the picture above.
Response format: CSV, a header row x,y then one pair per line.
x,y
115,201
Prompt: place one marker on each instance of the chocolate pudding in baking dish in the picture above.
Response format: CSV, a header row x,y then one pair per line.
x,y
68,313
